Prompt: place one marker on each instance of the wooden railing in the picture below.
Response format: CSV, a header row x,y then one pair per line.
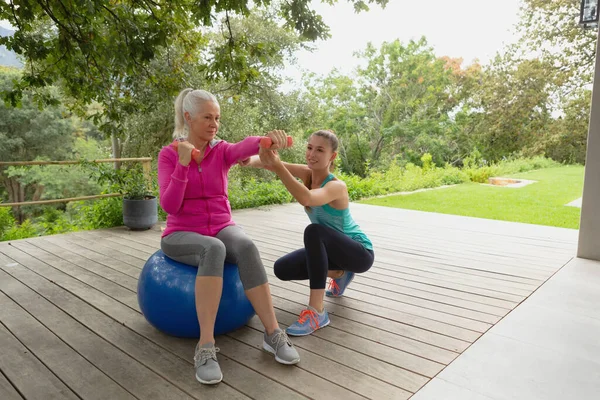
x,y
146,166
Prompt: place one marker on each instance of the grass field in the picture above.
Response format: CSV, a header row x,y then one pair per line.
x,y
542,203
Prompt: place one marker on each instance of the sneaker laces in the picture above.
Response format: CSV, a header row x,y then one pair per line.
x,y
280,338
334,287
204,354
311,316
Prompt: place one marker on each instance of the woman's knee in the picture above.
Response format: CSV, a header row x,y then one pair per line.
x,y
245,249
313,231
278,270
212,259
215,248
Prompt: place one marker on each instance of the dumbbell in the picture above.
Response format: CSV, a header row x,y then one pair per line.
x,y
266,142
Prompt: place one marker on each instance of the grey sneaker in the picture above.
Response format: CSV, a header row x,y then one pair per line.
x,y
280,345
206,364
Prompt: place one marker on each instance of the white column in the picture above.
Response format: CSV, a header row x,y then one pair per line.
x,y
589,230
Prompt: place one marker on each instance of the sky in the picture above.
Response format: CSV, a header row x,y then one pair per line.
x,y
471,29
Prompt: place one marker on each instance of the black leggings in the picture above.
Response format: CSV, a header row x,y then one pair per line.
x,y
324,249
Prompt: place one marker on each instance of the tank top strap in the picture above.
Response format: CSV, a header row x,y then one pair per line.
x,y
328,179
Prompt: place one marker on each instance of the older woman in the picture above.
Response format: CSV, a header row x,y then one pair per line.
x,y
200,230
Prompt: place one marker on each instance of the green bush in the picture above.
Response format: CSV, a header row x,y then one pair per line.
x,y
23,231
6,220
253,193
480,174
103,213
54,221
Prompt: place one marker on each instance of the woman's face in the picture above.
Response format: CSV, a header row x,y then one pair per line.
x,y
319,154
204,125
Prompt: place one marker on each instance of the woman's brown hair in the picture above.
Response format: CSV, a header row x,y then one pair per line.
x,y
333,142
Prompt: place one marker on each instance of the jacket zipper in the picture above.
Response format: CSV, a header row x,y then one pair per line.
x,y
203,196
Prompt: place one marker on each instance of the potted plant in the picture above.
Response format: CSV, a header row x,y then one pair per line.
x,y
140,210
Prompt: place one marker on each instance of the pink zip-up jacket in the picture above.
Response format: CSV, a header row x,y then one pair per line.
x,y
195,197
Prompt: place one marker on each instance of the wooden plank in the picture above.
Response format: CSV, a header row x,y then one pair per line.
x,y
81,376
335,371
433,325
499,276
350,378
417,316
424,224
299,377
367,283
440,282
338,338
7,390
138,324
32,378
112,289
427,289
412,257
379,384
437,249
455,294
270,236
111,242
175,369
466,259
451,357
342,326
385,324
118,265
67,248
112,275
416,320
131,376
128,317
435,314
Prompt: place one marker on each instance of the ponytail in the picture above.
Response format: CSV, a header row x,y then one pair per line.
x,y
188,101
180,132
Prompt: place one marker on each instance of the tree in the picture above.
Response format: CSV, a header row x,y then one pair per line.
x,y
511,109
246,109
550,29
397,106
27,133
566,138
95,48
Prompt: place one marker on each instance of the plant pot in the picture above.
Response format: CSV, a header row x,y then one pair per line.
x,y
140,214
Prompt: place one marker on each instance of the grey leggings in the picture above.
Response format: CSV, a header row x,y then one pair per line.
x,y
209,254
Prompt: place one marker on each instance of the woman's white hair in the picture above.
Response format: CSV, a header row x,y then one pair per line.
x,y
189,100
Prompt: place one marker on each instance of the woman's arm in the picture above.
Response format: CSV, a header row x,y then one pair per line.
x,y
172,181
239,151
297,170
333,190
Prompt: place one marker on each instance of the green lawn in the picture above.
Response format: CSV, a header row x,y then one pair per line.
x,y
541,203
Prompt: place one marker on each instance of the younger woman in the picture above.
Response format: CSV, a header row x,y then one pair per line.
x,y
334,245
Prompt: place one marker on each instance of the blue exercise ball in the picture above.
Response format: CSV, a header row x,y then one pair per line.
x,y
167,300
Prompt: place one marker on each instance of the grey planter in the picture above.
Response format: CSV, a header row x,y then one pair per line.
x,y
140,214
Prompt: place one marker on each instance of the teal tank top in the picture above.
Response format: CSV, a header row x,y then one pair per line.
x,y
340,220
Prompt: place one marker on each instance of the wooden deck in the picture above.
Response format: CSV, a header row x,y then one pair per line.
x,y
70,326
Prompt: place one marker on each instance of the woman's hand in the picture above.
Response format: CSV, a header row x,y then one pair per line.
x,y
269,158
279,139
184,150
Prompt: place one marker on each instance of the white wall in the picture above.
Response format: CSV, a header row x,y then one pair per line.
x,y
589,231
